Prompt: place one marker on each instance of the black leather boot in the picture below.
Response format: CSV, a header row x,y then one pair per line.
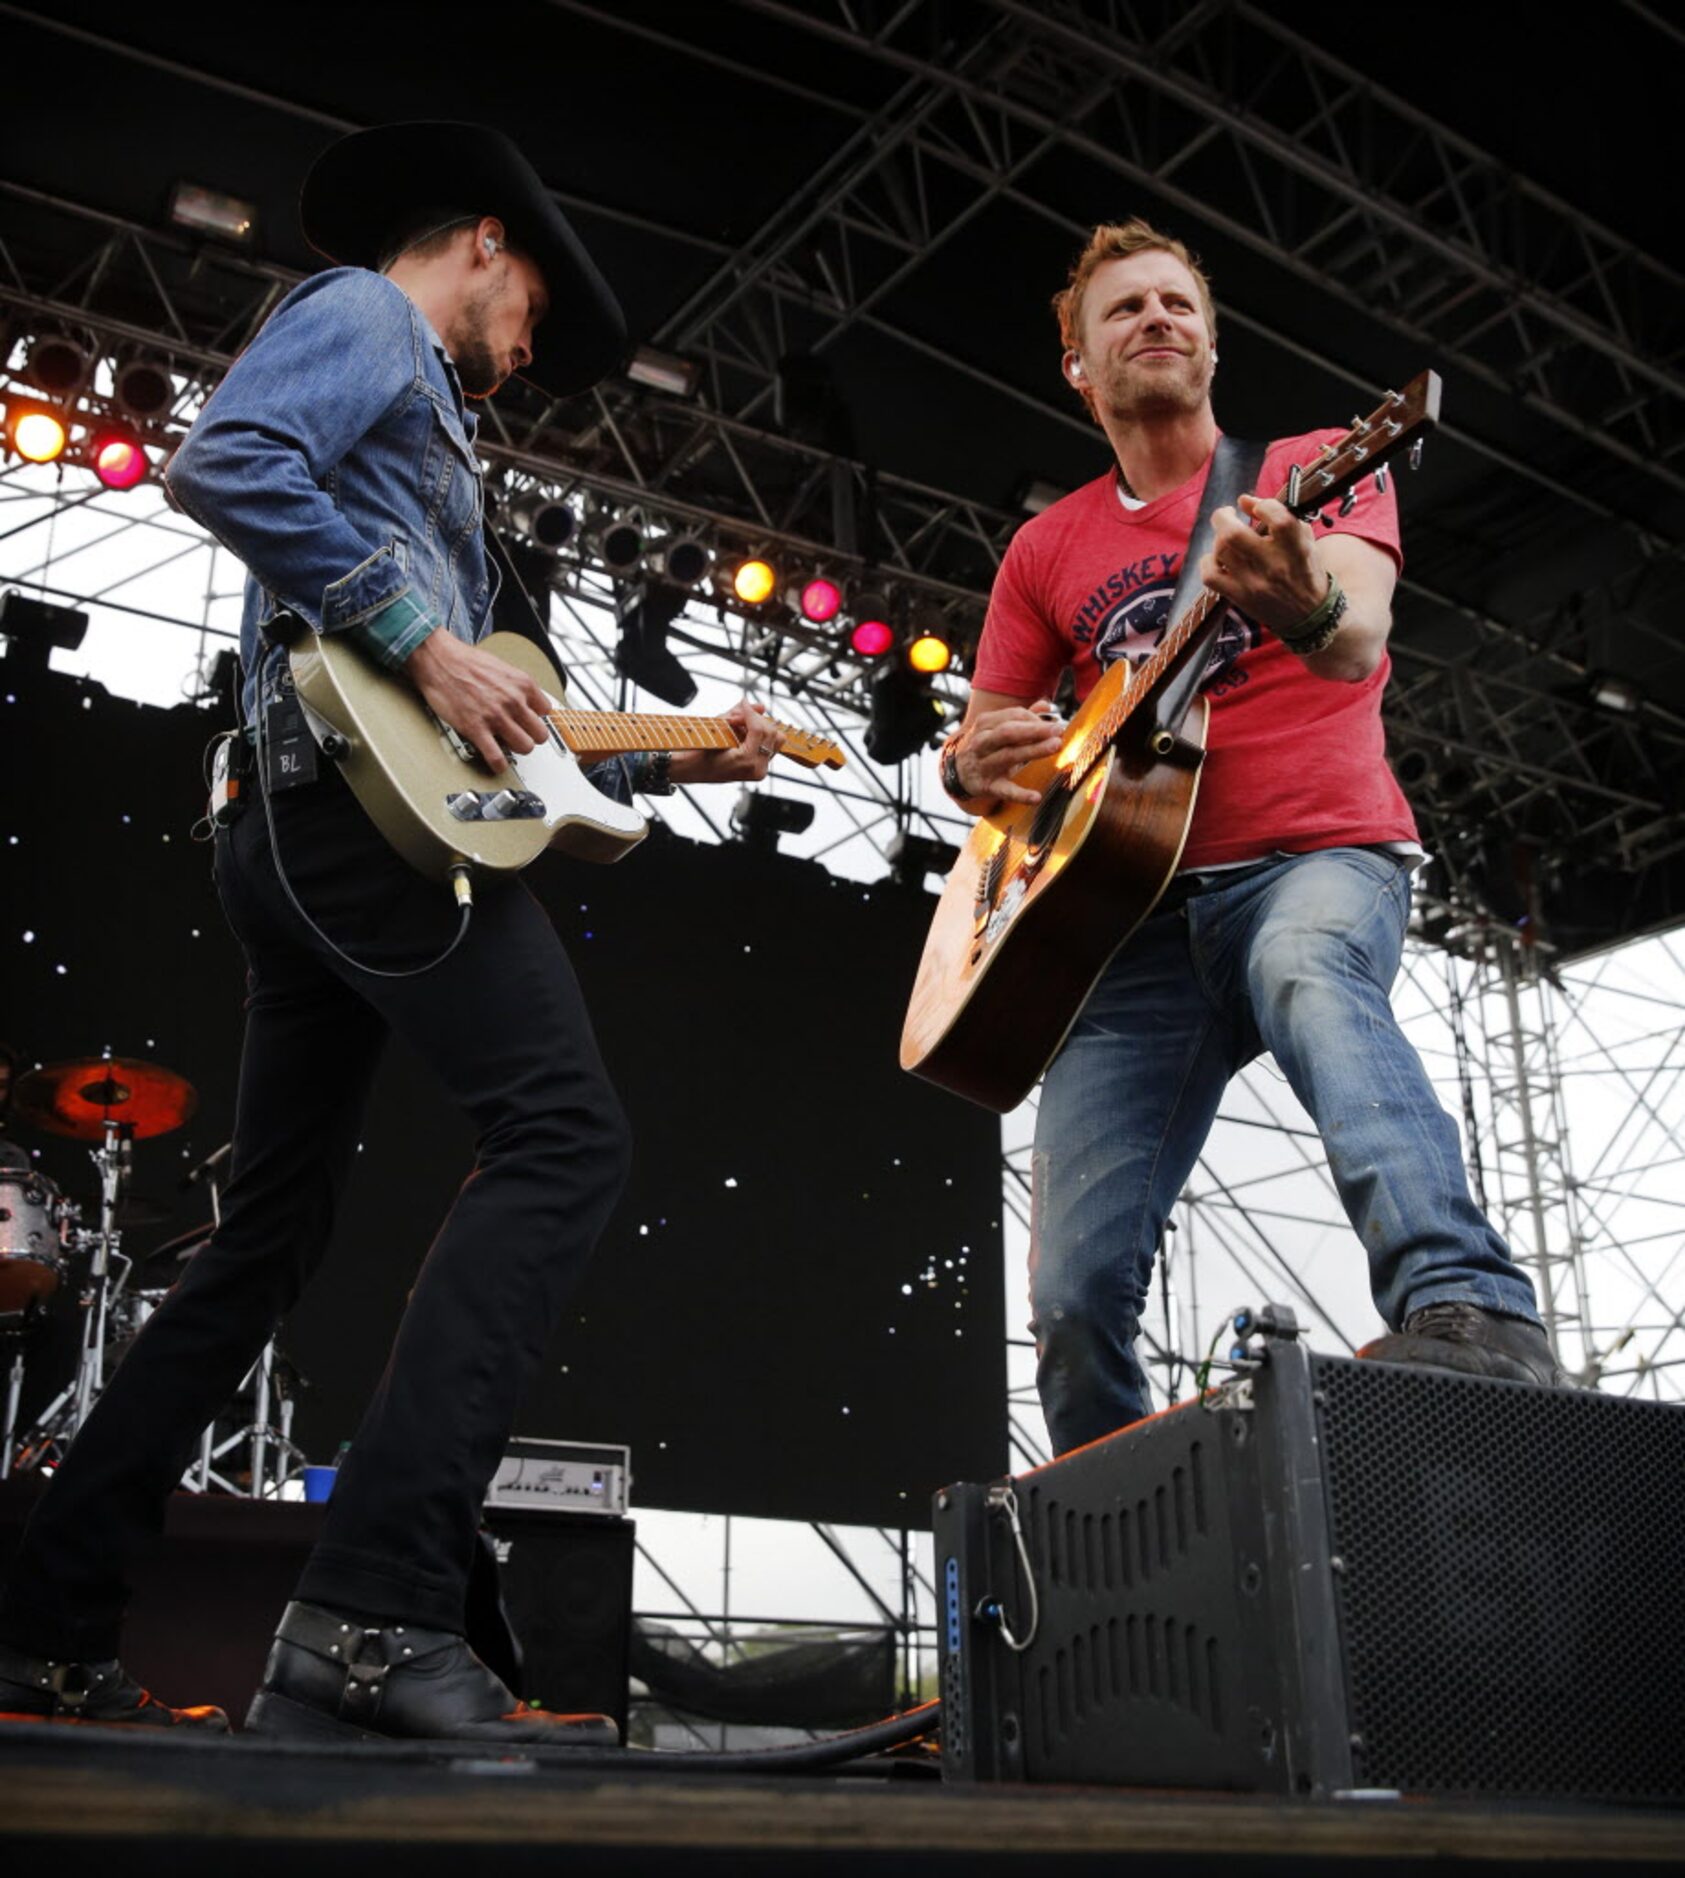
x,y
1474,1342
334,1678
88,1695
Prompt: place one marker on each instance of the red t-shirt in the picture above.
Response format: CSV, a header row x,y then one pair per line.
x,y
1294,761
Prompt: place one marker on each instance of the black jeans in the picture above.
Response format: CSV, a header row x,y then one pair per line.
x,y
503,1026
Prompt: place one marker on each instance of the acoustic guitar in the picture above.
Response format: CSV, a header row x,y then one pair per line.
x,y
1042,897
428,793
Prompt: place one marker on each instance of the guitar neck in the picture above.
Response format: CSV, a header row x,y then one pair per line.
x,y
616,733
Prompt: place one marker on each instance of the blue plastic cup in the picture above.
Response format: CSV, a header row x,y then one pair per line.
x,y
318,1482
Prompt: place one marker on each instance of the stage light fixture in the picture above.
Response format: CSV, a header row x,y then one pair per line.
x,y
760,818
641,654
929,654
118,457
664,371
1036,493
33,628
1611,692
59,366
871,638
143,390
620,546
208,212
37,434
913,858
818,600
904,717
683,559
754,581
546,520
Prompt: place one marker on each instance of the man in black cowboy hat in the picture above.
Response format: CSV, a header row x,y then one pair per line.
x,y
337,460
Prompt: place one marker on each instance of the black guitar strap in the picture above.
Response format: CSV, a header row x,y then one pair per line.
x,y
1235,464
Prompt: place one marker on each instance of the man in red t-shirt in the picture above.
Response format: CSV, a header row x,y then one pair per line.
x,y
1284,927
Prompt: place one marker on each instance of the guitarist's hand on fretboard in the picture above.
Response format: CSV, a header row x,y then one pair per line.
x,y
759,739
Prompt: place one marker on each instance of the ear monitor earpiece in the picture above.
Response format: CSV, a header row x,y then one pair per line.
x,y
490,245
1076,368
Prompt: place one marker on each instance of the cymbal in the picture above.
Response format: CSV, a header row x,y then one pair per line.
x,y
77,1098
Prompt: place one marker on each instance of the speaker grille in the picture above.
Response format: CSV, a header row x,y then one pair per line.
x,y
1504,1557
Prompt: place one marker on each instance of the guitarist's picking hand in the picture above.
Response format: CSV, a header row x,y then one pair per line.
x,y
494,706
997,744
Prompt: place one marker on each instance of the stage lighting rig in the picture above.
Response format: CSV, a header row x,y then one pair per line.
x,y
872,634
34,628
143,389
914,858
208,212
759,819
117,456
817,599
682,560
664,371
58,366
754,581
904,718
547,520
645,612
620,545
35,432
929,653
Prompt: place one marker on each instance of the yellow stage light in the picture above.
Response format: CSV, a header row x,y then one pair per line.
x,y
38,436
930,654
754,581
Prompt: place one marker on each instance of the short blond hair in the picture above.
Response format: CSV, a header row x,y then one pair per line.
x,y
1116,241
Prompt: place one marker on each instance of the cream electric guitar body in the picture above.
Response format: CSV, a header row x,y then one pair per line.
x,y
439,806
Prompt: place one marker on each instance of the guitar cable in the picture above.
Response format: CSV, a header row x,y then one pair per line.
x,y
461,884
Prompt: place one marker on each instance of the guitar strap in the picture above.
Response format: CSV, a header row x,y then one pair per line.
x,y
1235,464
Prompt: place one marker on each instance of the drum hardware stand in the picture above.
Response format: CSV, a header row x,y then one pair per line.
x,y
14,1391
267,1439
113,1158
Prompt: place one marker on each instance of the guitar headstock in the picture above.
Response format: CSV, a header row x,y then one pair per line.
x,y
802,746
1398,423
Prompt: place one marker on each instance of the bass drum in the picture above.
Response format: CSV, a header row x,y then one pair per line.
x,y
34,1227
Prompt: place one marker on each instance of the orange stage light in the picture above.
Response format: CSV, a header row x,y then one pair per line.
x,y
754,581
38,436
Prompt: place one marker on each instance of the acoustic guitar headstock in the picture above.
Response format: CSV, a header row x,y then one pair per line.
x,y
1399,423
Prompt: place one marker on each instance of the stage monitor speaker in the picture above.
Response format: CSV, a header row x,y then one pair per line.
x,y
567,1587
1331,1576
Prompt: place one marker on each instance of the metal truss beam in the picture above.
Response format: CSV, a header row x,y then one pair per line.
x,y
1506,712
1287,142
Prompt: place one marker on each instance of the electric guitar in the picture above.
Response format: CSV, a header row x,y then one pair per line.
x,y
1042,897
429,794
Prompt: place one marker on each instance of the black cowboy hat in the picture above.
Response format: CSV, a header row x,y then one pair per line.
x,y
363,189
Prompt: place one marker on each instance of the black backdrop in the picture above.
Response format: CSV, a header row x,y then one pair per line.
x,y
797,1310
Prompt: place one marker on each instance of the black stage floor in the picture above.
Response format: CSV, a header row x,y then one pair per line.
x,y
249,1809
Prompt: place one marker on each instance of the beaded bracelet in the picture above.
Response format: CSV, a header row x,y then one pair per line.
x,y
1317,629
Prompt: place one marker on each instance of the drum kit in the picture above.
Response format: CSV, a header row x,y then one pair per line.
x,y
52,1263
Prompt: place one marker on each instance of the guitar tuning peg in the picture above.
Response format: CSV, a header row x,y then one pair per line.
x,y
1416,453
1381,480
1348,502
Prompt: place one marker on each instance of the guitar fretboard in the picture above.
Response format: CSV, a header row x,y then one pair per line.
x,y
593,733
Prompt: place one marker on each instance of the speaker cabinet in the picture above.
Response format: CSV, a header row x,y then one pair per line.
x,y
567,1586
1331,1575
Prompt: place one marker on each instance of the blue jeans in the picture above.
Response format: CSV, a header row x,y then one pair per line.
x,y
1295,956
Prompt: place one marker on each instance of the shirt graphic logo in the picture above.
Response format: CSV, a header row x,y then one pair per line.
x,y
1127,615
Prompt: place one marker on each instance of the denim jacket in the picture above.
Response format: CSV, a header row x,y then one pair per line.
x,y
336,460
